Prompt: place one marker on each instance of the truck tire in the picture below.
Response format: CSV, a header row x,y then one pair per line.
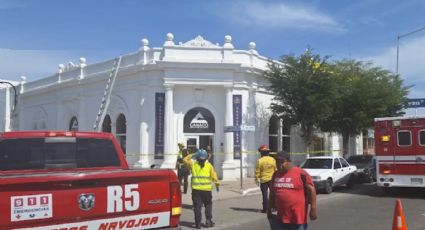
x,y
328,186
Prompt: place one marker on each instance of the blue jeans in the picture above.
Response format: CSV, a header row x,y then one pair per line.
x,y
276,224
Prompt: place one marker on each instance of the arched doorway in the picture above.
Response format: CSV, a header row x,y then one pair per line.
x,y
199,129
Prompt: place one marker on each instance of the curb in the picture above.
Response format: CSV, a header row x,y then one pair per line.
x,y
250,191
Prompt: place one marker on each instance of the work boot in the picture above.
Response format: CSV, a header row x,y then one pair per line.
x,y
209,223
198,225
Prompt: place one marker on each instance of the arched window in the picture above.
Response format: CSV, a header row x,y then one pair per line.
x,y
106,125
286,136
273,133
121,131
73,124
279,134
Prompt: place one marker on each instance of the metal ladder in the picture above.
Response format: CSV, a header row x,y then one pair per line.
x,y
107,94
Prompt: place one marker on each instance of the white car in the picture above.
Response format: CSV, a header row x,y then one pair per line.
x,y
330,171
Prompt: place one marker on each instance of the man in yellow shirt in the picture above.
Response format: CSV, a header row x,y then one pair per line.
x,y
203,175
264,170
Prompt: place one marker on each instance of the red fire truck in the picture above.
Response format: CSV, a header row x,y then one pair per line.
x,y
400,151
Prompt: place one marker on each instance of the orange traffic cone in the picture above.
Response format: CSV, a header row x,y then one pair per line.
x,y
399,221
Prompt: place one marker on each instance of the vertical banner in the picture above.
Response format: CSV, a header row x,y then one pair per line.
x,y
237,120
159,125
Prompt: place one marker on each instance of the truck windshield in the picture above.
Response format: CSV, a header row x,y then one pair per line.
x,y
57,152
317,164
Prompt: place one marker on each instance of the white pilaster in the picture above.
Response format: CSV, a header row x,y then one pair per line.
x,y
8,109
170,150
145,117
229,168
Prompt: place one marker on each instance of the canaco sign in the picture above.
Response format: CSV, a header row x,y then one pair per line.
x,y
199,120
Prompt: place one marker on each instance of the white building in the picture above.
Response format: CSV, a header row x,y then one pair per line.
x,y
187,92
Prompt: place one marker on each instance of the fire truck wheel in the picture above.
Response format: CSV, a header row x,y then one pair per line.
x,y
328,186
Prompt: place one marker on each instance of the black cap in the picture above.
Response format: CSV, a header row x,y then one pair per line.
x,y
283,156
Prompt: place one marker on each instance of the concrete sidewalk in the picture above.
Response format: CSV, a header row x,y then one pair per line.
x,y
228,190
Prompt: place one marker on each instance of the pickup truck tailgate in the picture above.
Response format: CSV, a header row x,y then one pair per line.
x,y
113,199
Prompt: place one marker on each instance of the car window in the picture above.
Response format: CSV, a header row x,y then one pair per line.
x,y
317,164
344,162
337,165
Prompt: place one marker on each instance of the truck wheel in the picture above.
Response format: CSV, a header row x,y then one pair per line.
x,y
328,186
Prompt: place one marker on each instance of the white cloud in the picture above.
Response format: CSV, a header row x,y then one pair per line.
x,y
280,15
32,63
411,64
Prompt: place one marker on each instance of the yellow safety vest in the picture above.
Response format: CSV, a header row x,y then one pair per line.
x,y
201,177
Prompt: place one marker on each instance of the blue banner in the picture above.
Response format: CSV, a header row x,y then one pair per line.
x,y
237,121
415,103
159,125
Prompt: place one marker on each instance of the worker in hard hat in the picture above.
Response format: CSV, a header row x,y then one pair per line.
x,y
203,176
264,169
182,171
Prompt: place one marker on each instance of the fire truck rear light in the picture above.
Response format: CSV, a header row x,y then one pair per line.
x,y
176,211
385,138
176,200
386,171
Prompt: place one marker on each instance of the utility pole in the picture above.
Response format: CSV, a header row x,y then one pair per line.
x,y
398,42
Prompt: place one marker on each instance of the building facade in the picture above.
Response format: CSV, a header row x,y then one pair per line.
x,y
202,94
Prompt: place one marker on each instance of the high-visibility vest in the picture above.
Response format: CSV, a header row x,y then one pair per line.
x,y
201,177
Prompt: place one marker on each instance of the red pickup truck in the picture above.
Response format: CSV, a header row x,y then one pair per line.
x,y
80,181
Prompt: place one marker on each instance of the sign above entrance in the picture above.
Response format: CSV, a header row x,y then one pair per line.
x,y
199,120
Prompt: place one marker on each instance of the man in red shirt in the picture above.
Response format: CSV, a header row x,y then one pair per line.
x,y
291,194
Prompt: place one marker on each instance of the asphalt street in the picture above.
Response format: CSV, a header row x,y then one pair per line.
x,y
364,207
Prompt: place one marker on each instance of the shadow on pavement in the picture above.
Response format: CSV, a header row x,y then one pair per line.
x,y
246,209
371,189
187,224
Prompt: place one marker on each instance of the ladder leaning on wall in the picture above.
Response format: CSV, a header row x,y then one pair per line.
x,y
107,95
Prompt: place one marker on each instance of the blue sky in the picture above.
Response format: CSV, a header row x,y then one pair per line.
x,y
36,36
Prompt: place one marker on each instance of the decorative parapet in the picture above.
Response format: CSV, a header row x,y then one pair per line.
x,y
196,50
22,83
200,42
82,65
228,49
144,52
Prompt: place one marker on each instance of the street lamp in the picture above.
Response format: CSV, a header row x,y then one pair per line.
x,y
16,94
402,36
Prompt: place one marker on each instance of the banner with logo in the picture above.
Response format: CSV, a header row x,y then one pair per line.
x,y
199,120
159,125
237,121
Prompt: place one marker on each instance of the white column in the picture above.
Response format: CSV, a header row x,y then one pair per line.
x,y
279,134
146,111
170,149
8,109
229,169
82,117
